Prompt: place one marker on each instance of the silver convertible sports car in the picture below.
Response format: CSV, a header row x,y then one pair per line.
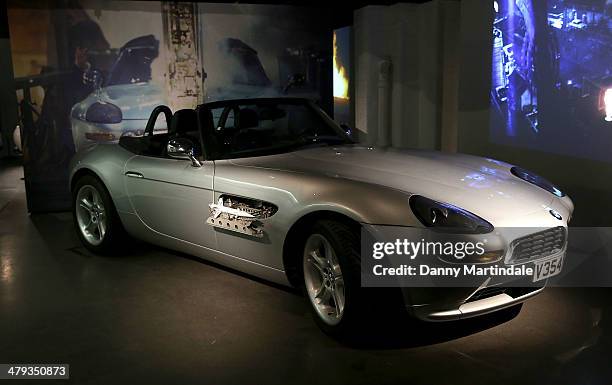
x,y
276,189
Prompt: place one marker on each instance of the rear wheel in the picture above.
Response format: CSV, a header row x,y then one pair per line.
x,y
97,223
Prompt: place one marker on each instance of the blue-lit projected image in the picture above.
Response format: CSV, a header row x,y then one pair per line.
x,y
551,86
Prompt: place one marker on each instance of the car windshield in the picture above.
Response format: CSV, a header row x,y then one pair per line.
x,y
264,127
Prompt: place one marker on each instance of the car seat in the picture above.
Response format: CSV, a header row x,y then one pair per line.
x,y
184,124
246,137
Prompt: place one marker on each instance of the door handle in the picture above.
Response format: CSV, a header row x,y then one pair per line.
x,y
134,174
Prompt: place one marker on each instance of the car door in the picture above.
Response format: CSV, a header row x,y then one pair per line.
x,y
171,196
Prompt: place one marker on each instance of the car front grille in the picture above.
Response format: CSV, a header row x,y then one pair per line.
x,y
538,245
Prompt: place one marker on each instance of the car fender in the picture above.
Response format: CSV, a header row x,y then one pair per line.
x,y
362,202
107,162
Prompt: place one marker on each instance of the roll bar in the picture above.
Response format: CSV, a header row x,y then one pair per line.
x,y
153,118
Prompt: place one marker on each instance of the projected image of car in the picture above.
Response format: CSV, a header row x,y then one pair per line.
x,y
122,102
275,188
244,76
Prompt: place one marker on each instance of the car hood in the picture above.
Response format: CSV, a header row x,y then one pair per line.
x,y
135,100
480,185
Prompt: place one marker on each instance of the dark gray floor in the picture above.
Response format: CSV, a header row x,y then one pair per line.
x,y
161,317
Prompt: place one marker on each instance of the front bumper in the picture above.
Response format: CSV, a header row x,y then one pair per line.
x,y
479,302
430,301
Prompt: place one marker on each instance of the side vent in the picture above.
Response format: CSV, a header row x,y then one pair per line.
x,y
240,215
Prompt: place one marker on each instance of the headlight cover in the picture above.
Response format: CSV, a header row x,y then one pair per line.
x,y
537,180
447,218
105,113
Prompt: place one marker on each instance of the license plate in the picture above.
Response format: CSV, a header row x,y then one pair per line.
x,y
547,268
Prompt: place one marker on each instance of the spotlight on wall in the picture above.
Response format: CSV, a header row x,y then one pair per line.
x,y
608,104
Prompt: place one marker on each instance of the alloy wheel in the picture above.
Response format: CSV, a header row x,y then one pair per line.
x,y
91,215
323,279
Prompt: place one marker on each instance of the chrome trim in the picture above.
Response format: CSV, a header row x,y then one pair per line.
x,y
475,308
134,174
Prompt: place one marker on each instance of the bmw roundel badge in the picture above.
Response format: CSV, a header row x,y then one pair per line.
x,y
556,214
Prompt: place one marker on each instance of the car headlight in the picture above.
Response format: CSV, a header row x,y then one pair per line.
x,y
447,218
537,180
106,113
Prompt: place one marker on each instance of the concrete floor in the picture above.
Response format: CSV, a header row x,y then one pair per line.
x,y
160,317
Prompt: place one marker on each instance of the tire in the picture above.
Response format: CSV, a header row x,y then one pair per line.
x,y
331,252
96,221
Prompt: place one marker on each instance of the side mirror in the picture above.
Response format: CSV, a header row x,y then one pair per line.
x,y
182,148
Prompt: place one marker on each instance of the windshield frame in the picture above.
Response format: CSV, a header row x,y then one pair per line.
x,y
226,105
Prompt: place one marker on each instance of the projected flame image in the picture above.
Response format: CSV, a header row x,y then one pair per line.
x,y
340,75
551,76
341,69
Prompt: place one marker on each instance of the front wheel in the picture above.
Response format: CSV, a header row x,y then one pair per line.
x,y
331,267
97,223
